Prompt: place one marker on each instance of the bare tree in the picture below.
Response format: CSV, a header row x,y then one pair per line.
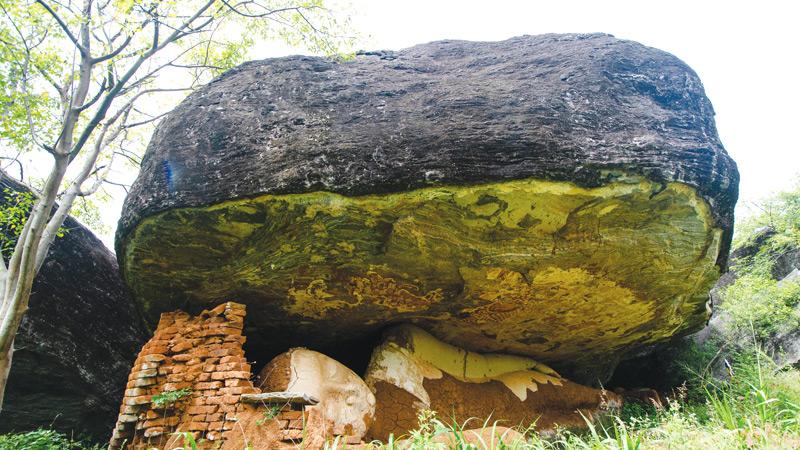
x,y
81,78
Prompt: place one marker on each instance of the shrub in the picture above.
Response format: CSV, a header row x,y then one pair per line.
x,y
42,440
759,305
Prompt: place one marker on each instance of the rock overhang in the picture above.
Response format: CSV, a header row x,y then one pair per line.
x,y
565,274
397,142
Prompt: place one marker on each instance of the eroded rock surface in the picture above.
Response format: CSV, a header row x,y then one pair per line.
x,y
411,372
77,340
564,197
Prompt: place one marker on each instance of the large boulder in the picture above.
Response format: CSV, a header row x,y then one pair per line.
x,y
564,197
77,340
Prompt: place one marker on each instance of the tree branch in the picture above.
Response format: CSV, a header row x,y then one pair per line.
x,y
64,27
113,53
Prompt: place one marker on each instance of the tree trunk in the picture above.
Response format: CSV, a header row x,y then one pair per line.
x,y
5,370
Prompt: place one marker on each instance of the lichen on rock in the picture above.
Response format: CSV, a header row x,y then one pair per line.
x,y
531,267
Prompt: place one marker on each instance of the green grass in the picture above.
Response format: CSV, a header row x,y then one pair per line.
x,y
43,440
757,409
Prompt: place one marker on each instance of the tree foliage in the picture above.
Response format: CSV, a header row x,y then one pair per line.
x,y
82,82
780,212
138,59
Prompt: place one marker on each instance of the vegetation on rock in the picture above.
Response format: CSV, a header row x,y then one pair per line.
x,y
765,297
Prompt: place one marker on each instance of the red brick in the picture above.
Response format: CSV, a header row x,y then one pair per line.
x,y
227,367
214,400
146,373
213,435
231,359
233,390
208,385
197,426
222,352
153,432
153,423
134,392
205,409
175,378
219,309
156,350
180,347
143,382
175,386
238,374
140,400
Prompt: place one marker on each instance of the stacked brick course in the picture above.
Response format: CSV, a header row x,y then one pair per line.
x,y
203,355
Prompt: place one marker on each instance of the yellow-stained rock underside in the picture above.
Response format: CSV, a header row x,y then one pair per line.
x,y
551,270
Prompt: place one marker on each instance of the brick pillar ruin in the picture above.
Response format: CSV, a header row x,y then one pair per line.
x,y
200,360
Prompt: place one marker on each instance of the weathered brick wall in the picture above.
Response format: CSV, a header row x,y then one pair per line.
x,y
203,354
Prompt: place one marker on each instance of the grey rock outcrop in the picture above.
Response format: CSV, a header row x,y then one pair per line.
x,y
784,344
76,342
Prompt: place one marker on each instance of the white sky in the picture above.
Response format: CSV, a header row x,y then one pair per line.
x,y
746,53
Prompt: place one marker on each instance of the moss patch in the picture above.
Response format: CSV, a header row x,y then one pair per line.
x,y
546,269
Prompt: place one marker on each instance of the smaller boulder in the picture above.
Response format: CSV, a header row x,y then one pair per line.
x,y
345,407
411,371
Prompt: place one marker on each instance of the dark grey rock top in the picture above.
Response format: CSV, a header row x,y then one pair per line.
x,y
572,107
